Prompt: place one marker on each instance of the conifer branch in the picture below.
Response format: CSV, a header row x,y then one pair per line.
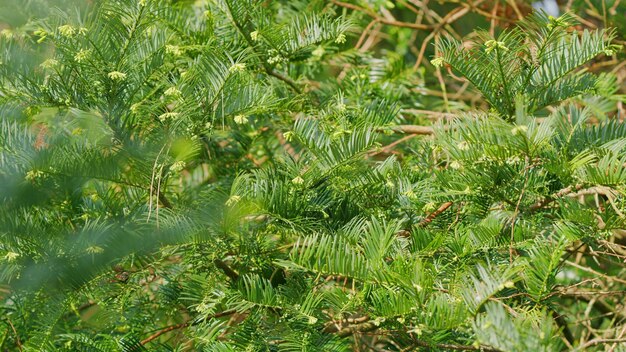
x,y
325,227
372,326
504,79
268,69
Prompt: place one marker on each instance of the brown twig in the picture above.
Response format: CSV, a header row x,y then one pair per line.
x,y
17,336
598,342
389,147
165,330
453,96
411,129
422,51
286,146
220,264
333,326
565,191
427,220
382,19
618,337
437,115
591,271
350,330
163,199
365,32
594,293
285,79
185,325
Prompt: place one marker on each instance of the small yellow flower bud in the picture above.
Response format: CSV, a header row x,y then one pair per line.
x,y
173,49
438,62
172,92
49,64
82,55
67,30
232,200
32,175
238,67
612,49
495,45
42,35
410,194
178,166
275,59
117,76
241,119
94,250
168,115
463,145
7,33
319,52
556,22
455,165
11,256
521,129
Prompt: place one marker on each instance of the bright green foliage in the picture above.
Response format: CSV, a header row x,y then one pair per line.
x,y
210,176
536,62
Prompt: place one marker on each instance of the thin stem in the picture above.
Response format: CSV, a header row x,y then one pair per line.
x,y
516,211
185,325
17,336
382,19
130,38
534,68
269,70
507,95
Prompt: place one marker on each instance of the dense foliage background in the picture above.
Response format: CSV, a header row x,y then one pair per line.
x,y
358,175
